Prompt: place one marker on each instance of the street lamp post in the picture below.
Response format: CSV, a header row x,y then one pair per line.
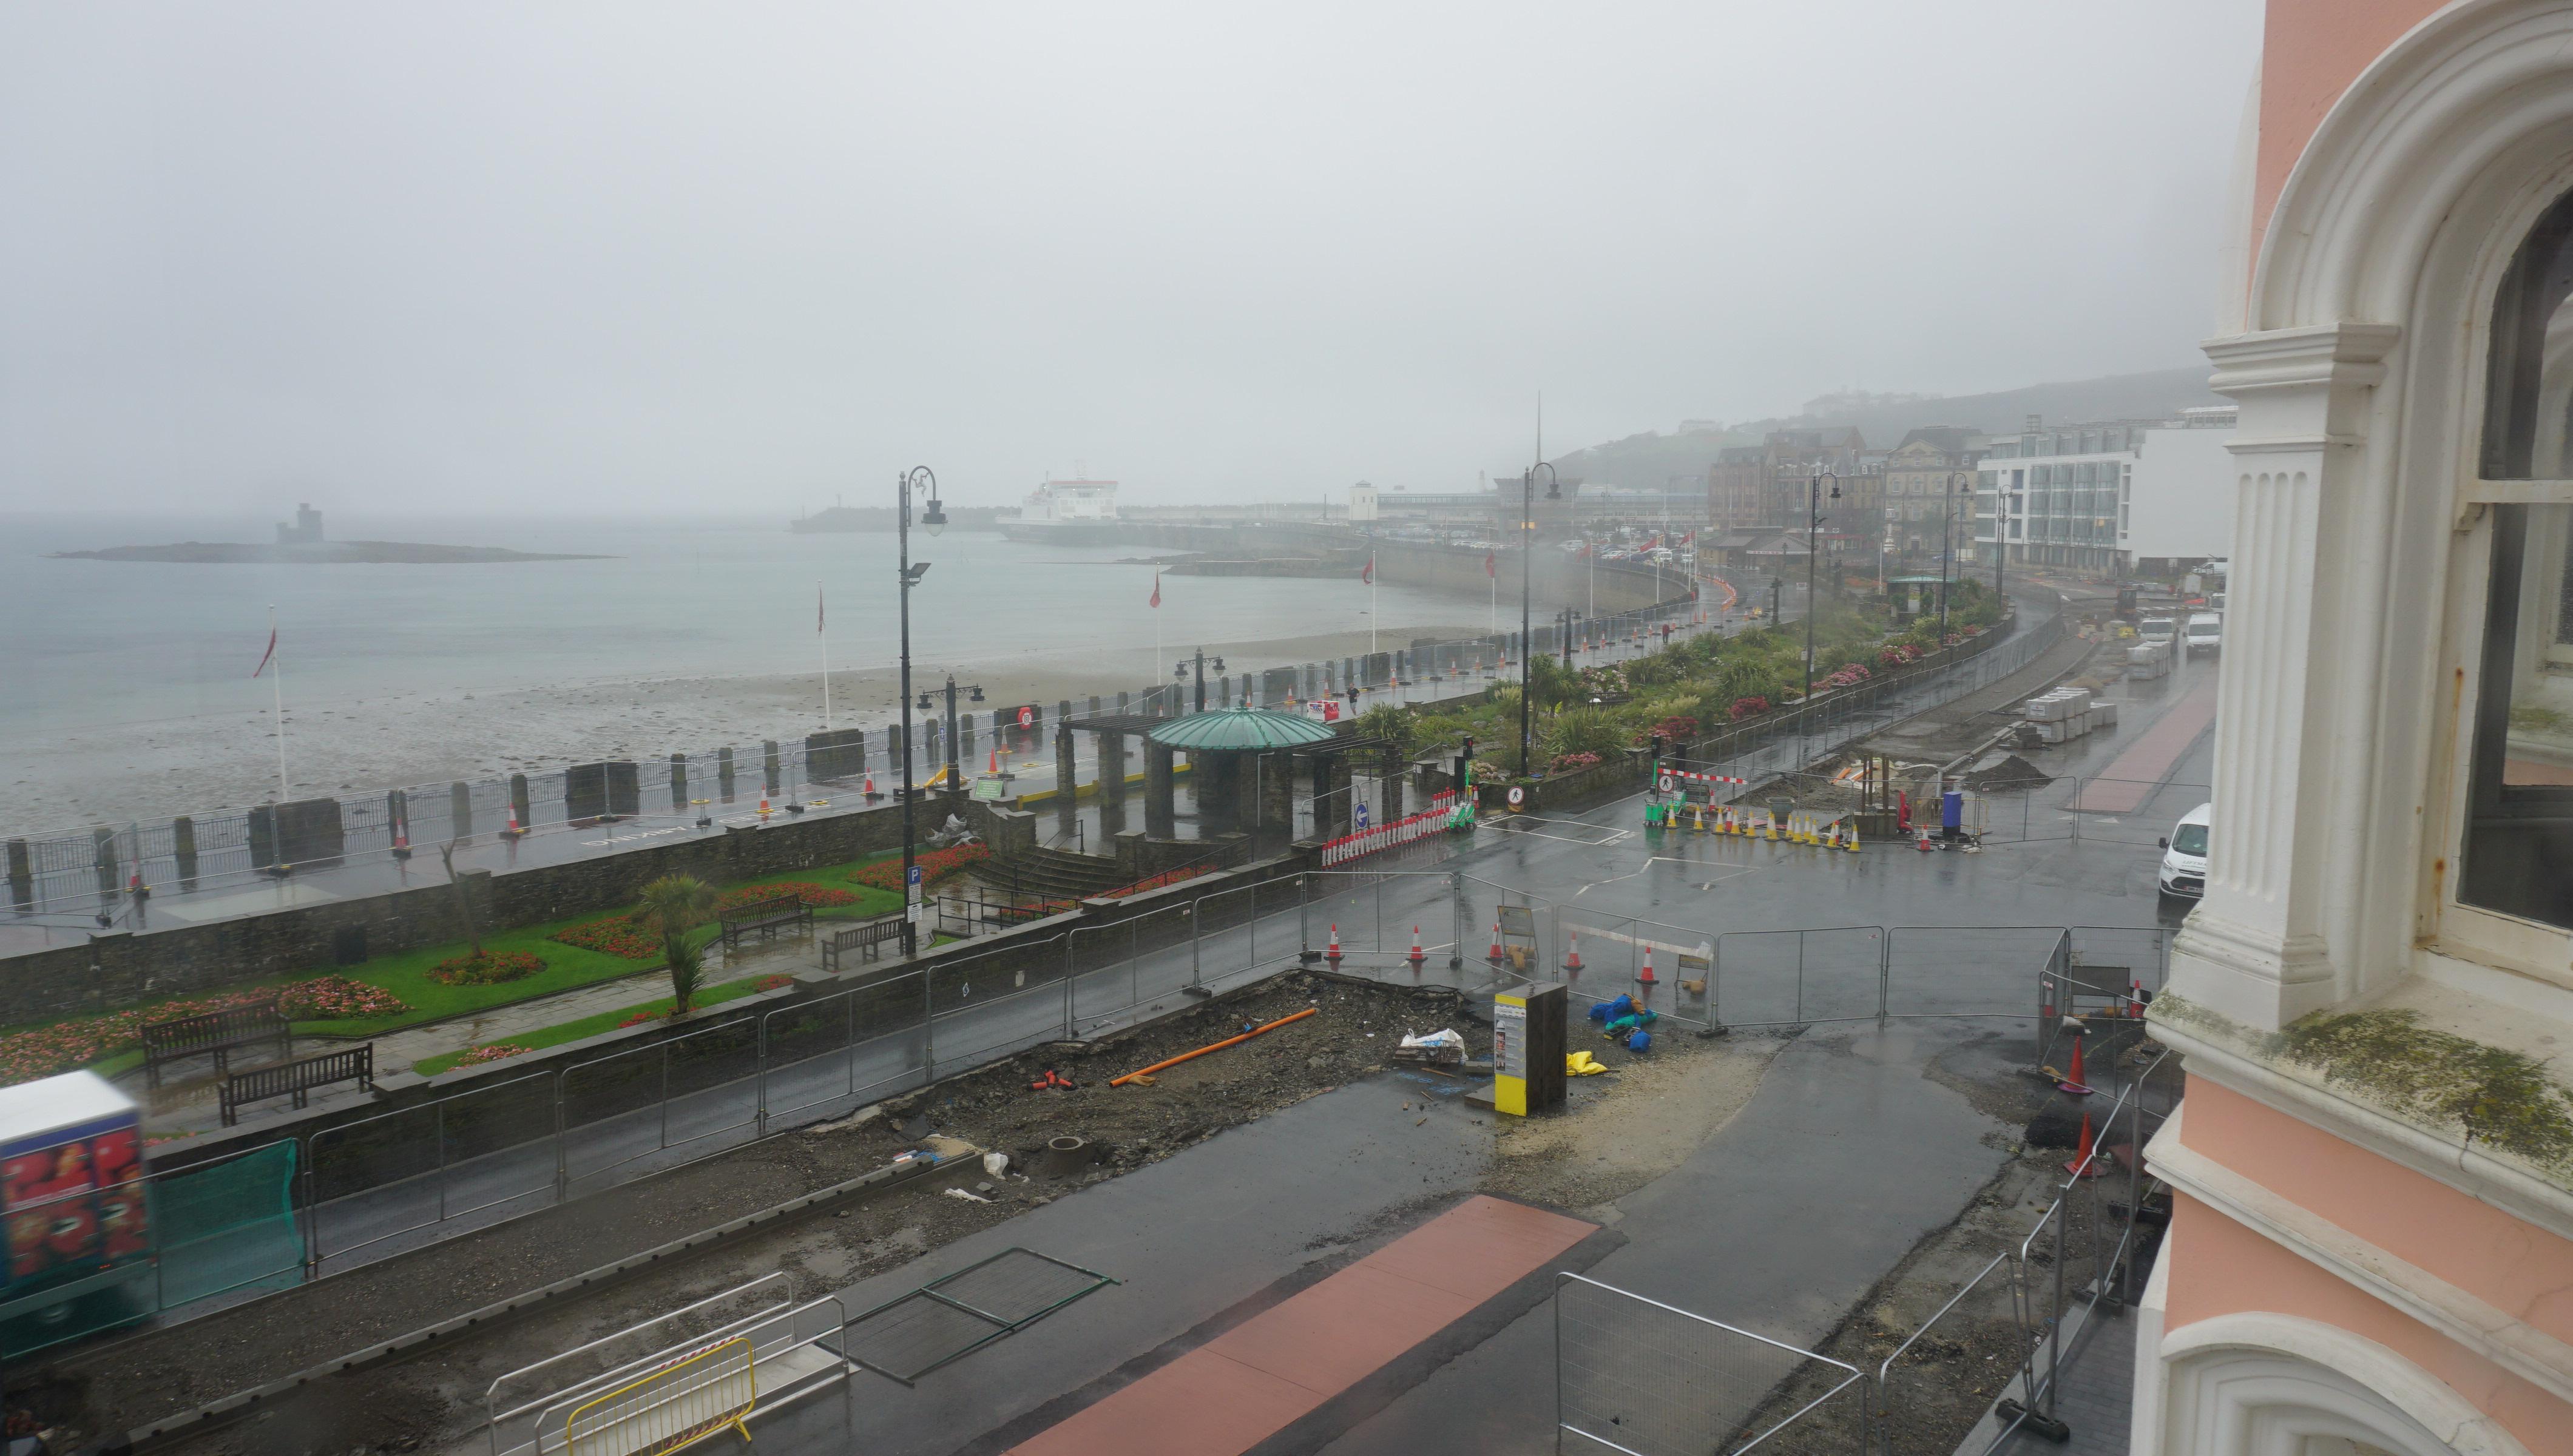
x,y
1813,551
1527,594
932,521
1947,557
1179,672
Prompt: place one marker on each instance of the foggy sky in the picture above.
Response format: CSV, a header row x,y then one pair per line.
x,y
546,257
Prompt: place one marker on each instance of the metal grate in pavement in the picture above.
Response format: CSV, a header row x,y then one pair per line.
x,y
948,1318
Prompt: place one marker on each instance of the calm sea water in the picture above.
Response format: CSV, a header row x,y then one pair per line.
x,y
86,644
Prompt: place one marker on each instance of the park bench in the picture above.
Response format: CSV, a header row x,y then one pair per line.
x,y
868,939
766,917
298,1078
221,1032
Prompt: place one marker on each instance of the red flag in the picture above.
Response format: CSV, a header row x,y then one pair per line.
x,y
1367,574
265,657
1492,567
1156,589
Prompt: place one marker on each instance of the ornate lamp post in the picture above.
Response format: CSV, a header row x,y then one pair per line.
x,y
932,521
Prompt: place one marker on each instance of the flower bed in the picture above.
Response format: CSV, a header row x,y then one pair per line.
x,y
616,935
1750,707
1155,882
331,998
886,873
1565,763
497,1051
69,1046
819,897
489,968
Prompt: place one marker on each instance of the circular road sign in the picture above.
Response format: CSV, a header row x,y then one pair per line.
x,y
1518,795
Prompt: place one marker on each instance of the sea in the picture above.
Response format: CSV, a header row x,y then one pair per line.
x,y
87,643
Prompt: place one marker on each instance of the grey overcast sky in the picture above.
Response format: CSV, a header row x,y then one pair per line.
x,y
437,257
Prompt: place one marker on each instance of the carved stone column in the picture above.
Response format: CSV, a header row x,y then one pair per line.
x,y
2255,949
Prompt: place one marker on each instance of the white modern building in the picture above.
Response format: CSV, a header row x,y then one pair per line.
x,y
2122,497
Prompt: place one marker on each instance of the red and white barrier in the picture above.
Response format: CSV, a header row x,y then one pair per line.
x,y
1402,830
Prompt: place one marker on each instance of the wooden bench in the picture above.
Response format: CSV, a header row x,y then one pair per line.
x,y
767,916
298,1078
221,1032
868,939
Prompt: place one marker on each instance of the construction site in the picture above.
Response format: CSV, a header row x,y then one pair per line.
x,y
1791,1103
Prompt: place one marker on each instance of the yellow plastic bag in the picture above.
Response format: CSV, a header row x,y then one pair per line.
x,y
1582,1064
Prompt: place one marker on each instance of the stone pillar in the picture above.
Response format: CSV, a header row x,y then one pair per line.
x,y
1160,815
519,802
22,876
1389,798
770,765
1277,790
2301,691
1121,705
1111,784
183,848
723,774
678,783
1093,705
969,760
460,811
1066,791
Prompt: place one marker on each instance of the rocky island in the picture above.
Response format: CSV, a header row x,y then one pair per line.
x,y
320,554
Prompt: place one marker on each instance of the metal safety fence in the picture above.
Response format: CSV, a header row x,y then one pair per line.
x,y
1646,1378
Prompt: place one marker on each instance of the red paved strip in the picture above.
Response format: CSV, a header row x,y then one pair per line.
x,y
2127,783
1252,1381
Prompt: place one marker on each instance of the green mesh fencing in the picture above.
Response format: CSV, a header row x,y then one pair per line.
x,y
230,1226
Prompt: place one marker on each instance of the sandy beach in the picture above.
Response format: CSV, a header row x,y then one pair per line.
x,y
153,770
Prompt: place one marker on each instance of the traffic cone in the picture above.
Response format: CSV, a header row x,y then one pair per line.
x,y
1417,955
1495,957
763,808
2077,1082
1923,843
1852,845
401,841
1334,953
1699,824
871,787
996,762
2086,1163
1572,956
1773,827
514,831
1645,976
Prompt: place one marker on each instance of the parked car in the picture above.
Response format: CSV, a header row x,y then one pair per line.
x,y
2157,629
2184,872
2206,633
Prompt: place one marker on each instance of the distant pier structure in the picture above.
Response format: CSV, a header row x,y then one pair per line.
x,y
304,530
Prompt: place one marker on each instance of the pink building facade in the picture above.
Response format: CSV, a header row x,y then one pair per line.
x,y
2371,1245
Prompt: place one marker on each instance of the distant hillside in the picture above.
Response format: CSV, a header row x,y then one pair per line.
x,y
1657,461
2154,396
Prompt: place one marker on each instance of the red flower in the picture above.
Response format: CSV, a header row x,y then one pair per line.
x,y
886,873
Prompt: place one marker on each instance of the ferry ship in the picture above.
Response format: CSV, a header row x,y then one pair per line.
x,y
1075,513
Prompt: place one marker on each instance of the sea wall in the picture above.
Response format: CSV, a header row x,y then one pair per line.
x,y
1560,580
122,967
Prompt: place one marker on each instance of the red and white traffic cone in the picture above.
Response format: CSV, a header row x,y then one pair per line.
x,y
402,842
2087,1162
1417,955
996,761
1495,956
1572,956
871,787
1645,976
1923,843
2076,1083
1334,953
514,831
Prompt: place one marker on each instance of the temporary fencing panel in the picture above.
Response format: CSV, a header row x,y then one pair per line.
x,y
1798,976
1638,1377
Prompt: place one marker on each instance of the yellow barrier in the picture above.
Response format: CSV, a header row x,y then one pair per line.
x,y
678,1405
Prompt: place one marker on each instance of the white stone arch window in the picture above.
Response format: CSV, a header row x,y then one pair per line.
x,y
2514,841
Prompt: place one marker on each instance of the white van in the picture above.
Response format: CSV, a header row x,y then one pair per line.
x,y
2184,874
2206,633
2157,629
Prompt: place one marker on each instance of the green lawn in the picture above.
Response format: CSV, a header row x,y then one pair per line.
x,y
567,968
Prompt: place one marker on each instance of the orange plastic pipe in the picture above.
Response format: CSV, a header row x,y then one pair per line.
x,y
1217,1046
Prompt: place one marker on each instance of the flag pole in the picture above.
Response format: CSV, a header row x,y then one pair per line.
x,y
1371,617
822,629
276,704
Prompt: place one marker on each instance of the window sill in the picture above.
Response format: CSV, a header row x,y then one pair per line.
x,y
2460,1081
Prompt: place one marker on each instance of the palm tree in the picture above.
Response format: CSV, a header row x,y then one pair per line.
x,y
673,906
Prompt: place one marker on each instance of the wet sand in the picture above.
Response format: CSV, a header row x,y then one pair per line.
x,y
153,770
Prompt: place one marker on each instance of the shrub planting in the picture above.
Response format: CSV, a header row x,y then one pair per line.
x,y
485,968
936,865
